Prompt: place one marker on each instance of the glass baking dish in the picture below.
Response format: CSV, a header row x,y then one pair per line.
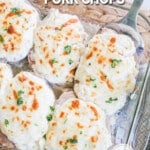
x,y
125,130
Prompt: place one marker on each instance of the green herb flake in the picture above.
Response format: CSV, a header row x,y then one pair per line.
x,y
5,29
95,86
89,64
20,92
52,108
65,121
115,62
81,132
65,147
1,39
92,79
44,136
73,141
110,100
54,61
36,124
20,99
16,11
67,49
70,61
6,122
49,117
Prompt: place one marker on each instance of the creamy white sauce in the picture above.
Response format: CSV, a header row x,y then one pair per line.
x,y
80,121
52,37
25,124
107,71
18,19
5,77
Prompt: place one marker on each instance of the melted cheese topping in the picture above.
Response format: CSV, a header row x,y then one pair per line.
x,y
59,43
78,125
107,71
24,109
5,77
17,22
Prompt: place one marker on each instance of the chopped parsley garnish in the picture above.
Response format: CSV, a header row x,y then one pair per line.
x,y
65,147
49,117
70,61
20,92
95,86
52,108
6,122
110,100
115,62
5,29
65,121
81,132
16,11
1,39
44,136
36,124
92,79
54,61
89,64
93,82
67,49
20,99
73,141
